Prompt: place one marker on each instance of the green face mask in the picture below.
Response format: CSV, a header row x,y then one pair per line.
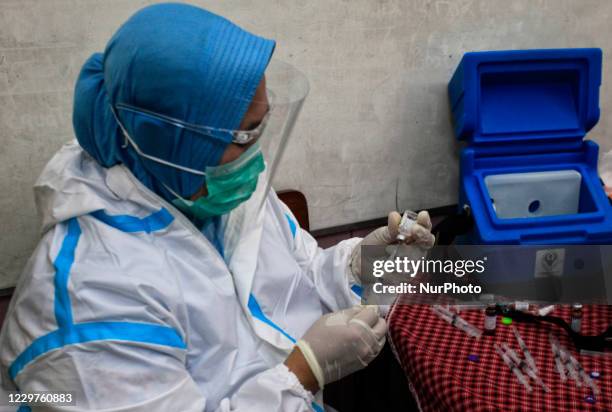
x,y
228,186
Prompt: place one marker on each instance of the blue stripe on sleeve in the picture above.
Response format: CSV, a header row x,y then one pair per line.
x,y
357,289
292,224
129,224
258,313
97,331
63,262
317,408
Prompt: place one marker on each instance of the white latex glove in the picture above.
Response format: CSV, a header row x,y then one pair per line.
x,y
343,342
420,235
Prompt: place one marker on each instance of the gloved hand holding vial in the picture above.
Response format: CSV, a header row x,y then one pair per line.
x,y
411,229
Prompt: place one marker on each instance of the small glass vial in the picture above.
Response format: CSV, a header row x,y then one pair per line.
x,y
576,319
521,306
490,319
408,220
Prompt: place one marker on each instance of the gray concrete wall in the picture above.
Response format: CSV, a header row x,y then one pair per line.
x,y
376,116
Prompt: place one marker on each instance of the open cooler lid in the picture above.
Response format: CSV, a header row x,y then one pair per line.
x,y
521,101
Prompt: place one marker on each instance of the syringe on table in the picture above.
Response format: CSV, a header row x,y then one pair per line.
x,y
565,360
456,321
521,378
524,366
523,346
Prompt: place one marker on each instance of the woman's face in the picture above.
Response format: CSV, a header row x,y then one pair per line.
x,y
253,116
255,113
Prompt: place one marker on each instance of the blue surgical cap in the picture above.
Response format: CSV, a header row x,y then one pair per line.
x,y
179,61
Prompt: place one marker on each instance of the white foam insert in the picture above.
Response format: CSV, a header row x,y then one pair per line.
x,y
535,194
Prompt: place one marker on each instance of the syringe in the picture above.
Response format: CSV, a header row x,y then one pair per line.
x,y
575,369
408,220
457,321
554,344
521,378
523,346
524,367
573,373
585,376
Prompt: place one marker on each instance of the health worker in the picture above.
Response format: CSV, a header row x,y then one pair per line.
x,y
169,277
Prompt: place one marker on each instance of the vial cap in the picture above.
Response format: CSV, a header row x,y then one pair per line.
x,y
473,358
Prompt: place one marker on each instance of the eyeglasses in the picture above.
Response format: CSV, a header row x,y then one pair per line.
x,y
240,137
243,137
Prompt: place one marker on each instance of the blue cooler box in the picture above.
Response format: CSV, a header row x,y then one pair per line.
x,y
527,173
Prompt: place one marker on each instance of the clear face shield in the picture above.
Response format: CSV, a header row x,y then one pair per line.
x,y
286,89
274,113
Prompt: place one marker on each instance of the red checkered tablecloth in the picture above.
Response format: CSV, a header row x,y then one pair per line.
x,y
434,356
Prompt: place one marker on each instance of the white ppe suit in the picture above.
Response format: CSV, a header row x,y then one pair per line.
x,y
128,306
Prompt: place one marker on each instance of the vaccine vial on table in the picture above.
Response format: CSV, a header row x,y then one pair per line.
x,y
576,319
490,319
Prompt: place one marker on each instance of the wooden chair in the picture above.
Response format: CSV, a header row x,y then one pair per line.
x,y
296,202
